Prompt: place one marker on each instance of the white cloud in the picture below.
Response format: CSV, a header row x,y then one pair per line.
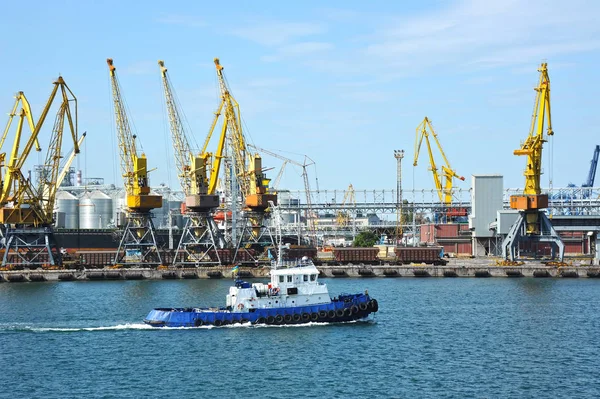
x,y
274,33
297,50
487,34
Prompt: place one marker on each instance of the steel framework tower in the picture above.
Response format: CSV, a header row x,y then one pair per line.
x,y
399,154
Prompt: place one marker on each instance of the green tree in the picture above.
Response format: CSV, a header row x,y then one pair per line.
x,y
365,239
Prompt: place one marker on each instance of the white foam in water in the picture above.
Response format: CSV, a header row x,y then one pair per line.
x,y
143,326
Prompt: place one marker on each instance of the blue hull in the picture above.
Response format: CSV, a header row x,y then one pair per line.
x,y
342,308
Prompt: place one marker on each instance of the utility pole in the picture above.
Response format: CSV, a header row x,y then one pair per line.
x,y
399,154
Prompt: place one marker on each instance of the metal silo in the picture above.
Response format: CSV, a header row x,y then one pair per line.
x,y
161,214
285,199
68,204
175,210
95,210
119,208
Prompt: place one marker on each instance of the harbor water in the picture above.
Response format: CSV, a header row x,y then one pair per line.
x,y
463,338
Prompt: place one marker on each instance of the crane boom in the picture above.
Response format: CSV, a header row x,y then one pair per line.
x,y
593,166
233,124
181,145
532,147
424,130
133,167
192,168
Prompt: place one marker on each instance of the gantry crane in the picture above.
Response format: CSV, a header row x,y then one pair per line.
x,y
310,222
424,130
200,234
27,212
532,224
138,244
248,171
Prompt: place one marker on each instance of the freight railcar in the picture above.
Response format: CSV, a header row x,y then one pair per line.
x,y
429,255
370,256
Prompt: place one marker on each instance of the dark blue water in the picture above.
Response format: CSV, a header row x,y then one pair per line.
x,y
464,338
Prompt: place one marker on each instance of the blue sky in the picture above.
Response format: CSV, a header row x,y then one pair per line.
x,y
344,82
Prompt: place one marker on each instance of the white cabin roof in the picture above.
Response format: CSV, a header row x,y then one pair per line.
x,y
295,271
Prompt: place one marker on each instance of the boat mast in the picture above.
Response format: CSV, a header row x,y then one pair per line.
x,y
278,234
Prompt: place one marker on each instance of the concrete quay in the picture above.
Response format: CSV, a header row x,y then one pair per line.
x,y
476,268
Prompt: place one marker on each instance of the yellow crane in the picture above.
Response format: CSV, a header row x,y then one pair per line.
x,y
200,233
138,243
248,170
343,216
248,167
532,224
424,130
27,212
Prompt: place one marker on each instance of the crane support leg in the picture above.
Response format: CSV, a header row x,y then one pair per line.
x,y
255,237
138,246
199,241
519,233
30,247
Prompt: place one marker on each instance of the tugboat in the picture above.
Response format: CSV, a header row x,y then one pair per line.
x,y
294,296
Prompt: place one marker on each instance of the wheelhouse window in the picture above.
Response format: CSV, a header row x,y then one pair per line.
x,y
281,279
306,277
289,279
313,277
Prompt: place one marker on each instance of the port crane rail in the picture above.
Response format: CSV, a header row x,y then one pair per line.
x,y
138,245
27,212
201,235
532,224
249,174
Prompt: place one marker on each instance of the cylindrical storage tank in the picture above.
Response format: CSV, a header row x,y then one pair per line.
x,y
59,220
68,204
175,210
159,214
95,210
285,199
119,204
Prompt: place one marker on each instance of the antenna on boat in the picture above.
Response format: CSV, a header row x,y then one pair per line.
x,y
278,234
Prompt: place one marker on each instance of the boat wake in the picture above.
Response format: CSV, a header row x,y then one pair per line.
x,y
36,329
143,326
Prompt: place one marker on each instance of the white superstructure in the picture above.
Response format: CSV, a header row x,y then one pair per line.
x,y
289,287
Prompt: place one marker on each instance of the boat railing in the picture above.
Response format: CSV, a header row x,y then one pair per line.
x,y
291,263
